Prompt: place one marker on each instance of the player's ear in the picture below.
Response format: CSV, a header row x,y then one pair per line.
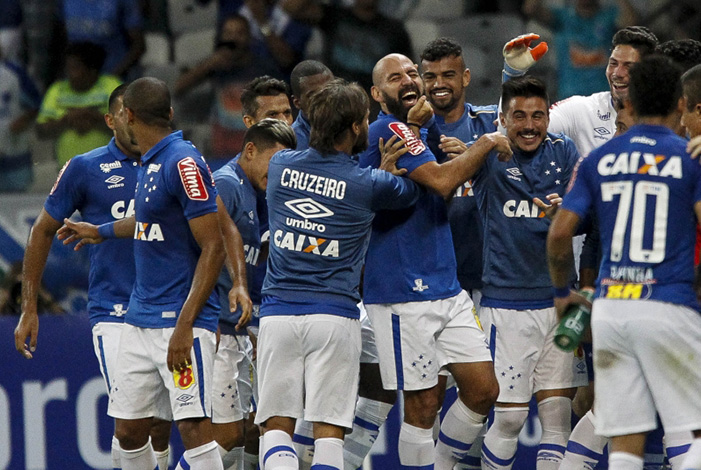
x,y
249,151
376,95
171,114
248,121
109,120
466,77
502,119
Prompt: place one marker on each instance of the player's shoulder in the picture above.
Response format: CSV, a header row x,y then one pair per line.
x,y
476,112
579,102
558,140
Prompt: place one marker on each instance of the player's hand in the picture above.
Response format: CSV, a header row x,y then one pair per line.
x,y
550,209
519,56
238,295
254,342
82,232
179,348
452,146
390,153
694,147
574,298
28,326
421,112
502,145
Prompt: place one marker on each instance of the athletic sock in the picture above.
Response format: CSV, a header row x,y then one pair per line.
x,y
231,459
501,440
204,457
370,415
138,459
692,459
277,451
162,457
459,429
116,454
625,461
328,454
654,454
473,459
555,415
415,447
677,445
303,440
585,447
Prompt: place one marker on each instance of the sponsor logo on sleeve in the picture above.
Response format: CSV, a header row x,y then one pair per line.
x,y
413,143
192,180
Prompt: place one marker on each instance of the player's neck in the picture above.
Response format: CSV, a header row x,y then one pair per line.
x,y
149,136
670,121
454,114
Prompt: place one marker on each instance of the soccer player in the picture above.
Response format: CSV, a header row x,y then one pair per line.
x,y
321,207
307,77
691,116
646,194
100,185
517,301
167,347
237,184
423,321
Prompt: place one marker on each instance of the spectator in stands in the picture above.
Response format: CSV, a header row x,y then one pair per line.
x,y
10,29
116,25
45,40
19,104
73,109
232,65
583,30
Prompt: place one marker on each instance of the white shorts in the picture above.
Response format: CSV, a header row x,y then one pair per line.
x,y
368,352
526,359
416,339
247,377
105,341
646,360
143,386
226,402
308,367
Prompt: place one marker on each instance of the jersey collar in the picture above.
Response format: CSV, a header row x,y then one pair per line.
x,y
161,145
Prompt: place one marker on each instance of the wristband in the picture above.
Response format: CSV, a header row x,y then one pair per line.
x,y
106,230
509,72
561,292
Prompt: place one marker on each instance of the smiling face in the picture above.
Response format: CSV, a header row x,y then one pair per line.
x,y
398,85
445,81
526,121
618,70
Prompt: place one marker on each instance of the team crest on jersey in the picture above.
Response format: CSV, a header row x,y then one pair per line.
x,y
192,179
413,143
58,178
107,167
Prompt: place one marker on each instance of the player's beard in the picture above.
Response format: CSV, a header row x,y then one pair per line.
x,y
361,142
396,106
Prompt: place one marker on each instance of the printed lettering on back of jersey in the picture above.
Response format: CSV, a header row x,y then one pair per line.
x,y
192,179
58,178
413,143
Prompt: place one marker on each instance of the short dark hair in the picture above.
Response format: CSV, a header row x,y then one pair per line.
x,y
149,99
333,109
115,95
526,87
88,53
306,68
655,86
267,133
441,48
691,83
261,86
684,52
639,38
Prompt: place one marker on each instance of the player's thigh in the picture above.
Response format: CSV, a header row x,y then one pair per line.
x,y
105,336
622,401
331,369
461,340
368,352
247,378
226,401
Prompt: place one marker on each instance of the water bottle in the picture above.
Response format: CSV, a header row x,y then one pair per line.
x,y
574,322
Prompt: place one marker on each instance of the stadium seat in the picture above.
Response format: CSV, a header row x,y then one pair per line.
x,y
190,48
157,50
190,15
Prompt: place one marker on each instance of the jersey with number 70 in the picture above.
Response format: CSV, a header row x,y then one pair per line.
x,y
642,187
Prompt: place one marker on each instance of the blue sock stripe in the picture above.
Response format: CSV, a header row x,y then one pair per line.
x,y
492,341
320,466
197,349
554,447
275,450
579,449
416,467
397,340
677,451
101,346
366,424
503,462
183,463
304,440
471,461
463,446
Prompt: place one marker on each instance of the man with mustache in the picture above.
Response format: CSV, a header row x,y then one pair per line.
x,y
423,320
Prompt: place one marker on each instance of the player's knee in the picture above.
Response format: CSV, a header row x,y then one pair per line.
x,y
160,434
421,407
229,435
132,434
480,398
510,421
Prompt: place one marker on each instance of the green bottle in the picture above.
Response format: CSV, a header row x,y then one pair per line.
x,y
574,322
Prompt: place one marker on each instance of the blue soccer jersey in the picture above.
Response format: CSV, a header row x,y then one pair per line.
x,y
100,185
321,209
642,187
302,130
174,186
240,199
411,256
465,221
516,274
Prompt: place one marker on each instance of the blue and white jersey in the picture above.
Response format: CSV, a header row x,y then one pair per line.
x,y
321,209
411,256
100,185
302,130
516,274
240,199
174,186
465,220
642,187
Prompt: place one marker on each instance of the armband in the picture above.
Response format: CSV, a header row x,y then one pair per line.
x,y
106,230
